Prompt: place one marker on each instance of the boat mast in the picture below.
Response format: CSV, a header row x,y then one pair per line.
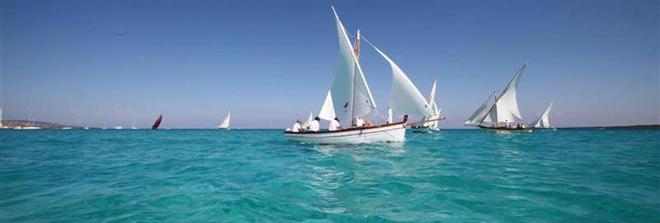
x,y
356,53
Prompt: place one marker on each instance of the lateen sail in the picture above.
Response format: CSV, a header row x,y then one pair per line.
x,y
225,122
327,110
434,108
432,94
405,98
350,93
544,120
478,115
507,103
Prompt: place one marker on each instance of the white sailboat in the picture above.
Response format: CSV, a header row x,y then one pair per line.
x,y
225,123
433,123
503,112
544,122
349,98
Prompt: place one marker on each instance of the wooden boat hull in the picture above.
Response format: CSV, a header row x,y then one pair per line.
x,y
385,133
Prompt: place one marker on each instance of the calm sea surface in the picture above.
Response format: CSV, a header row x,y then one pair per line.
x,y
257,175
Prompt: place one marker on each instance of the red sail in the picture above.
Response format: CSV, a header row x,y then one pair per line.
x,y
157,122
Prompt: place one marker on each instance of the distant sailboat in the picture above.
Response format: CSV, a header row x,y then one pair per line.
x,y
225,123
503,112
133,125
543,122
432,122
157,122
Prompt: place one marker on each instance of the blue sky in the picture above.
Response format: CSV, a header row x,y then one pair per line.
x,y
107,63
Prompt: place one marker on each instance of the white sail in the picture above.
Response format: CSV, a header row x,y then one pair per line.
x,y
309,120
507,103
405,98
351,96
544,120
432,94
225,123
491,117
478,115
327,110
390,118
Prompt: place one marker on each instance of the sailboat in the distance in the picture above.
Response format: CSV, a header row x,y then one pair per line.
x,y
224,125
502,113
157,122
544,121
434,125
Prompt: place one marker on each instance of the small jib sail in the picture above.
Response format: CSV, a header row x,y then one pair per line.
x,y
504,111
225,123
308,121
350,92
157,122
544,122
327,110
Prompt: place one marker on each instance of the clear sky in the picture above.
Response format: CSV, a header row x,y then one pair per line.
x,y
108,63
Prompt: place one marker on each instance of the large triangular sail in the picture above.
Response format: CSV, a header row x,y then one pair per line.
x,y
351,96
405,97
544,121
507,103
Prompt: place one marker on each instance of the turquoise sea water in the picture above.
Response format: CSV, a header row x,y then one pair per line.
x,y
258,176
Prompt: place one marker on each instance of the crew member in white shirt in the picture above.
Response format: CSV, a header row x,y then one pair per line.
x,y
297,127
334,125
314,126
359,122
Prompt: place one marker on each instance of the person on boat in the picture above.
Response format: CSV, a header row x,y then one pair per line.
x,y
297,127
314,126
367,123
405,118
359,122
334,125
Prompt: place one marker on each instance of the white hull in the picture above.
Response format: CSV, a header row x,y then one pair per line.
x,y
388,133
